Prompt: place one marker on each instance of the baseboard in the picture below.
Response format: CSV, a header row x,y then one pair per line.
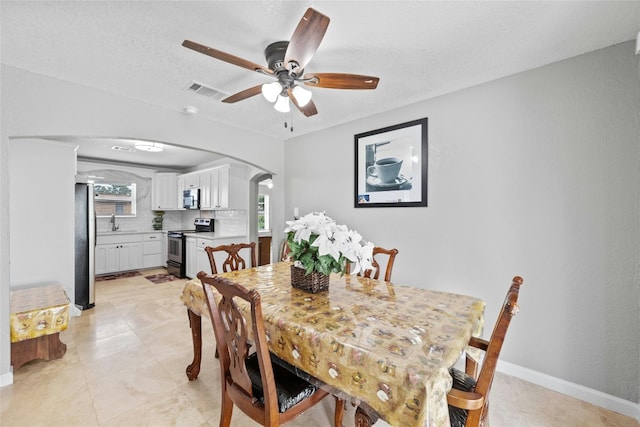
x,y
6,379
586,394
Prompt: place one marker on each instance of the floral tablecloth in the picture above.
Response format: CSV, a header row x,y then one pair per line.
x,y
38,311
387,345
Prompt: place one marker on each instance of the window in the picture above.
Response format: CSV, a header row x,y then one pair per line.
x,y
263,212
115,199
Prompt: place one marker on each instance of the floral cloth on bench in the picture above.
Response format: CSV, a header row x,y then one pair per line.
x,y
38,311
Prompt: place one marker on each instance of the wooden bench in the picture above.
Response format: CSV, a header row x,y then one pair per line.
x,y
38,315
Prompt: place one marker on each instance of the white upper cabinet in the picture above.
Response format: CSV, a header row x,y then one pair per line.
x,y
191,181
205,191
165,194
224,187
220,188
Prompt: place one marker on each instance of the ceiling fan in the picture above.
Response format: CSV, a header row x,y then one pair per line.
x,y
286,62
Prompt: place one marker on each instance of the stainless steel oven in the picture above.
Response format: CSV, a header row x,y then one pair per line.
x,y
176,251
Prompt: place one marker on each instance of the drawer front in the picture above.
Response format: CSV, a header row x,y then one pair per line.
x,y
153,247
203,243
150,237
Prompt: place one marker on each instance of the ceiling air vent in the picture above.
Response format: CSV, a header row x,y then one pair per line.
x,y
207,91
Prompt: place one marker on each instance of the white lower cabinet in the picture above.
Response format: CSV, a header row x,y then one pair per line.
x,y
202,258
191,268
111,258
122,252
153,254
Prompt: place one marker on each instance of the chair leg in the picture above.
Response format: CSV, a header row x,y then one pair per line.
x,y
339,414
226,410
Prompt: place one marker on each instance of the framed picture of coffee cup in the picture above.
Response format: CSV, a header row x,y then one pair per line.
x,y
391,166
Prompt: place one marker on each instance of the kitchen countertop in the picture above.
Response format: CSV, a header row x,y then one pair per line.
x,y
214,236
115,233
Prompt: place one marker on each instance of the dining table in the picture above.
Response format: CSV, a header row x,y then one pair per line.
x,y
384,347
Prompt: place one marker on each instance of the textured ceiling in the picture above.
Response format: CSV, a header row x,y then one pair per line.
x,y
418,49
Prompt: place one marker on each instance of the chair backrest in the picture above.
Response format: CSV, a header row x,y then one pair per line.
x,y
232,335
492,353
233,261
375,271
284,250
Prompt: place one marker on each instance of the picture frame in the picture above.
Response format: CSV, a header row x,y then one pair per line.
x,y
391,166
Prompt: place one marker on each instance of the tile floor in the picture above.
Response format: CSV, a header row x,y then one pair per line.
x,y
125,365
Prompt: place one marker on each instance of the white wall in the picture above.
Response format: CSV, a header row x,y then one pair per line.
x,y
33,105
534,175
41,207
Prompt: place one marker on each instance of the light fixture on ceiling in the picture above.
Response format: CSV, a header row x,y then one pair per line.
x,y
303,96
282,104
275,92
271,91
154,147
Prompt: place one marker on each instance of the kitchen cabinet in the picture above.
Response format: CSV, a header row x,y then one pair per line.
x,y
120,252
197,258
221,187
191,181
229,187
165,196
181,188
153,250
206,190
202,259
191,269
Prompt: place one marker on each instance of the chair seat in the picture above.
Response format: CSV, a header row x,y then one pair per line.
x,y
462,382
290,388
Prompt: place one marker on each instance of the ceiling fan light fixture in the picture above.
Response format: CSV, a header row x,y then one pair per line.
x,y
154,147
282,104
271,91
302,95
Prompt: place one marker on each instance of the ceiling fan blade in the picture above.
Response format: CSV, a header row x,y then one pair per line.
x,y
247,93
308,110
226,57
306,38
341,81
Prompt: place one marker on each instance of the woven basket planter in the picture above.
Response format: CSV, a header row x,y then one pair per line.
x,y
314,282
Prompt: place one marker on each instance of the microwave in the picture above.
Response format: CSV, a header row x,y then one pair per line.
x,y
191,199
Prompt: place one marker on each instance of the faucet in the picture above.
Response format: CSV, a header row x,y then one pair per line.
x,y
114,227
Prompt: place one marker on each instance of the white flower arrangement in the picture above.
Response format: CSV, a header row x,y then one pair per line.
x,y
317,243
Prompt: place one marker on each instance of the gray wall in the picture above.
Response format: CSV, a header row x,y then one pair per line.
x,y
535,175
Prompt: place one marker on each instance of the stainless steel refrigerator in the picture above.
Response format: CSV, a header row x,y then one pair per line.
x,y
85,245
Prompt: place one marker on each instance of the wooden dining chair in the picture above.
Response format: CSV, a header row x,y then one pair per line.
x,y
468,399
375,271
234,260
284,251
268,393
